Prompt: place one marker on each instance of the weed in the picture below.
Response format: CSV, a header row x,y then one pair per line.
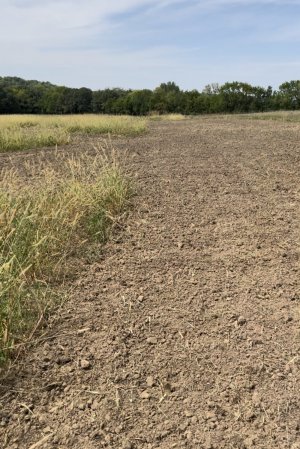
x,y
42,224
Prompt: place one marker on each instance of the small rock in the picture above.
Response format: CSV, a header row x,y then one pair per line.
x,y
81,406
85,364
55,439
164,434
210,416
183,426
250,415
188,413
168,388
210,404
107,438
119,428
152,340
145,395
63,360
249,442
241,321
150,381
189,435
127,445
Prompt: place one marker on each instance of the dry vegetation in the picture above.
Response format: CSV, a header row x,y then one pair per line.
x,y
22,132
42,224
283,116
169,117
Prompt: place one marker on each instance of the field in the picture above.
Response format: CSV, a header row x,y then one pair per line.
x,y
183,331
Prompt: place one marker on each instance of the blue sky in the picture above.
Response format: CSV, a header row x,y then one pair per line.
x,y
141,43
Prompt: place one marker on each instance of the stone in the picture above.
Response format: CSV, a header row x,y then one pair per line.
x,y
152,340
85,364
145,395
150,381
241,321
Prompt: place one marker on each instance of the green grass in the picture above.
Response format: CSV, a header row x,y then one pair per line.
x,y
41,226
23,132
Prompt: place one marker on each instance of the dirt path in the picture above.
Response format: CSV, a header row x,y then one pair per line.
x,y
187,334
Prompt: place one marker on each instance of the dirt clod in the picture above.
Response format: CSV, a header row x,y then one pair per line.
x,y
85,364
152,340
145,395
241,321
150,381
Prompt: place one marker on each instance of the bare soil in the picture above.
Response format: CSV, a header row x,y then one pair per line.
x,y
185,333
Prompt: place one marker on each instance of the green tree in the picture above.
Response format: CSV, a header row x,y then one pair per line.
x,y
290,94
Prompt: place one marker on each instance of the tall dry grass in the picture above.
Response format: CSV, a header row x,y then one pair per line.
x,y
169,117
68,204
282,116
22,132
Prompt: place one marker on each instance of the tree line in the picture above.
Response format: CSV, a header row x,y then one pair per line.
x,y
18,96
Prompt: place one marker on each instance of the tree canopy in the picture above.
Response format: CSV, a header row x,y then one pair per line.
x,y
18,96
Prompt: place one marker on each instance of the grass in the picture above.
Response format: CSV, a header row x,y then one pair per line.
x,y
283,116
45,223
169,117
23,132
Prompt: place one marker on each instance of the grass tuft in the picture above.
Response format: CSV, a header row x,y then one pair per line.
x,y
42,225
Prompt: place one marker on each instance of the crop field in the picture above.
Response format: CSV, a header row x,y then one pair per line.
x,y
183,330
23,132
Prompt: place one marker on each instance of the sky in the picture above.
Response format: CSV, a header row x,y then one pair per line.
x,y
142,43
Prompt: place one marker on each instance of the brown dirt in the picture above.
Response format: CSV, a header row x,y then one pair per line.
x,y
186,334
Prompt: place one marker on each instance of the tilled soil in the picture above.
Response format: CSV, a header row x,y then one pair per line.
x,y
186,334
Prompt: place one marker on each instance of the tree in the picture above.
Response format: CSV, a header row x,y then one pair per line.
x,y
139,102
290,94
237,96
